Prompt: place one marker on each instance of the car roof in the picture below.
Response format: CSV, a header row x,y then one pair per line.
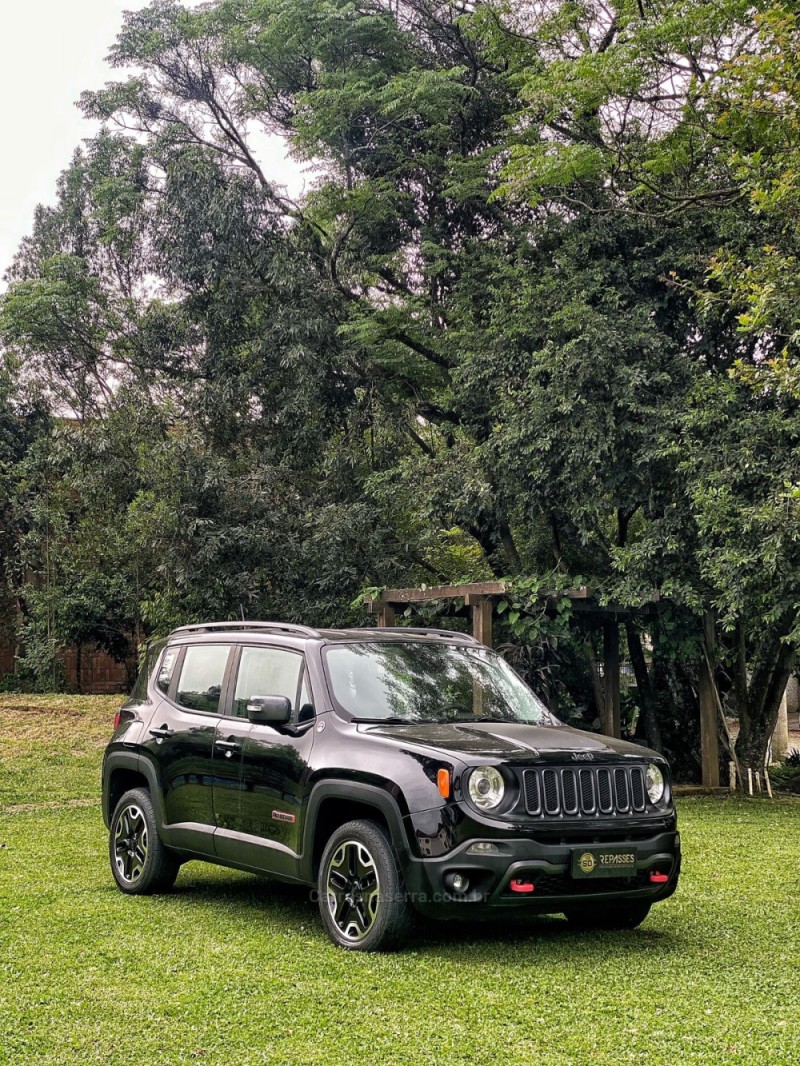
x,y
294,634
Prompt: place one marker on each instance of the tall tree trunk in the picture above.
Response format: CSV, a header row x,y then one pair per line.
x,y
652,729
758,697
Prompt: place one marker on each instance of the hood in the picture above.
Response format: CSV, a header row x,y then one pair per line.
x,y
509,741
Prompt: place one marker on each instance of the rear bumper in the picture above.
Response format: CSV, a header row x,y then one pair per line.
x,y
548,867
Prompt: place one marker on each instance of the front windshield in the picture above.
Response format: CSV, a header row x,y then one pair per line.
x,y
427,682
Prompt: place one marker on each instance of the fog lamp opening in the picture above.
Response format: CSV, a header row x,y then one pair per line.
x,y
457,882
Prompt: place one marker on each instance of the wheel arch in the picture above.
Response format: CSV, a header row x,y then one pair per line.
x,y
332,804
123,770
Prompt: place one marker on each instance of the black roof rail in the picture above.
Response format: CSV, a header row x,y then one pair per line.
x,y
451,633
268,627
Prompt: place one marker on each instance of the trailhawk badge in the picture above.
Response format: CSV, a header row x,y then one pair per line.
x,y
282,816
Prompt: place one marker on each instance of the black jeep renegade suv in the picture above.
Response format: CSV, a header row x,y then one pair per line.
x,y
393,769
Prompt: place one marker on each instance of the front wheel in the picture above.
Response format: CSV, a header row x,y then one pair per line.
x,y
362,899
139,861
626,914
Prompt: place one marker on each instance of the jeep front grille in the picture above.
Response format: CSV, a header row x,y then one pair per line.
x,y
572,791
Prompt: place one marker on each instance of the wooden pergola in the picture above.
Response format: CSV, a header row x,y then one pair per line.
x,y
480,598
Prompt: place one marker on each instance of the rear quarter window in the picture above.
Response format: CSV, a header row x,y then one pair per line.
x,y
165,670
151,654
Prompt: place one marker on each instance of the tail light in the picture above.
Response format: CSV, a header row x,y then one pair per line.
x,y
117,718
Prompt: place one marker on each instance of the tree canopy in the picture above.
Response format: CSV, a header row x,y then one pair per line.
x,y
533,317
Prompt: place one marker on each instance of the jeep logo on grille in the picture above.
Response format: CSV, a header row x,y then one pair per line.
x,y
583,756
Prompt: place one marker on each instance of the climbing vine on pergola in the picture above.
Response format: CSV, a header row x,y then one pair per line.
x,y
481,599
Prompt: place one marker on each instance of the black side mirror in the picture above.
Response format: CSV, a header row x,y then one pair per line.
x,y
269,710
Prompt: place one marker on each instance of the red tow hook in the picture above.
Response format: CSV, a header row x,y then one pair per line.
x,y
657,878
518,885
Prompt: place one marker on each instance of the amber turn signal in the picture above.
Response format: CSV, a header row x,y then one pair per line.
x,y
443,781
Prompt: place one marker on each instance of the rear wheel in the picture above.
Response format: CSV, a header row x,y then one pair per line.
x,y
139,861
626,914
362,899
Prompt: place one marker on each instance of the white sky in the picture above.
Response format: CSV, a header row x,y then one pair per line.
x,y
50,51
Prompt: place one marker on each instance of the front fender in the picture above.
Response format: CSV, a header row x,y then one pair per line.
x,y
354,792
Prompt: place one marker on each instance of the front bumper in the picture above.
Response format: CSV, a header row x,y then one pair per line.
x,y
545,865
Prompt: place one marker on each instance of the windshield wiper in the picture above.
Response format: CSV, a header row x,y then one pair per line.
x,y
392,718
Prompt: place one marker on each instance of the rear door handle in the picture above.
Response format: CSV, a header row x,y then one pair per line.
x,y
162,733
230,746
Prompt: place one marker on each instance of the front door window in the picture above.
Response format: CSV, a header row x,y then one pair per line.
x,y
267,672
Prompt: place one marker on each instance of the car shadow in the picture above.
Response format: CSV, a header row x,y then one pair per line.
x,y
296,904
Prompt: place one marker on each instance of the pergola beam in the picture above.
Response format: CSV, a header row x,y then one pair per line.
x,y
481,609
453,592
479,598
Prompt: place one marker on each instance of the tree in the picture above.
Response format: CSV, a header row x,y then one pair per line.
x,y
490,339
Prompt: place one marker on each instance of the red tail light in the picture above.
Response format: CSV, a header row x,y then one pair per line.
x,y
117,718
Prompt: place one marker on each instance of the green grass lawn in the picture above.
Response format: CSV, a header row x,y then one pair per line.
x,y
231,969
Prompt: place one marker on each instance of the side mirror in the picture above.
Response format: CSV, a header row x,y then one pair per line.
x,y
269,710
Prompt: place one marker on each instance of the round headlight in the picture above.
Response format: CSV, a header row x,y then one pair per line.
x,y
654,782
486,787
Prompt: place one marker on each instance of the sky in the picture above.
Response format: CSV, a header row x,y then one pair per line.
x,y
50,51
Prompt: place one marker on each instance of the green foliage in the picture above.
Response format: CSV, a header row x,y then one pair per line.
x,y
534,316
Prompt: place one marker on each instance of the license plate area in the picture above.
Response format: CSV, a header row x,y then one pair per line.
x,y
604,862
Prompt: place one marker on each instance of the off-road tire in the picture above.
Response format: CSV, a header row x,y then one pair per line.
x,y
359,865
139,861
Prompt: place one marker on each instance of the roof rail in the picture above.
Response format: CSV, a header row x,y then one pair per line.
x,y
269,627
452,633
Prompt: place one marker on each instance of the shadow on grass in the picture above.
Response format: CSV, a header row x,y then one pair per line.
x,y
258,897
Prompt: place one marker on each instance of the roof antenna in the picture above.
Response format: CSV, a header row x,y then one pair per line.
x,y
241,609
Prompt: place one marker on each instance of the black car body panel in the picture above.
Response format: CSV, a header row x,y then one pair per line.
x,y
265,798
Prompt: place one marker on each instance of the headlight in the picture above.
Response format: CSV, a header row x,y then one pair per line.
x,y
486,787
654,782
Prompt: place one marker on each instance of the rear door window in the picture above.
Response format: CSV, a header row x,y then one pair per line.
x,y
202,677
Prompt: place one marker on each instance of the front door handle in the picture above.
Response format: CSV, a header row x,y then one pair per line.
x,y
230,746
162,733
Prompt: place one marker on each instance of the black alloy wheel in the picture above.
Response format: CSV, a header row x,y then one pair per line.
x,y
362,899
130,844
353,890
139,861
